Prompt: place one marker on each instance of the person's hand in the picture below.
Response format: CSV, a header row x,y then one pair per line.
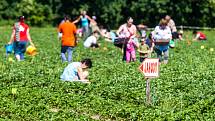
x,y
129,40
10,42
85,81
32,44
151,50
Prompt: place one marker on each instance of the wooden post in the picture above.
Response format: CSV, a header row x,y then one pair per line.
x,y
148,97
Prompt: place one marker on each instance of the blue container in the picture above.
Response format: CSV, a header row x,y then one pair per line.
x,y
9,48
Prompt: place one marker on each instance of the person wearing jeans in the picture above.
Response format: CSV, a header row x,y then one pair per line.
x,y
69,51
159,51
68,43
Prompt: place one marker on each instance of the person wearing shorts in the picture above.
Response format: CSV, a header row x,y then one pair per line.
x,y
20,38
162,35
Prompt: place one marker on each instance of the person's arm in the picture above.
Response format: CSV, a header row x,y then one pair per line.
x,y
135,32
197,37
169,34
173,27
77,20
103,35
119,30
89,18
59,28
141,26
29,37
81,74
152,47
75,33
59,32
12,37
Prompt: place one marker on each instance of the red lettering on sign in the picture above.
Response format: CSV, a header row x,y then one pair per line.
x,y
153,67
150,68
146,67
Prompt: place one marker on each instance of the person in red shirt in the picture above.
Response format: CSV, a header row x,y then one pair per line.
x,y
68,39
199,36
20,38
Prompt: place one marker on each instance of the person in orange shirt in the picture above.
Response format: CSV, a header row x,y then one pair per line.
x,y
68,39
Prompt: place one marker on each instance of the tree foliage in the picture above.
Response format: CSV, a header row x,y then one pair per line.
x,y
112,13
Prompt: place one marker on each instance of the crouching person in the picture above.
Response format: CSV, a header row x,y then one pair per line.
x,y
92,41
77,71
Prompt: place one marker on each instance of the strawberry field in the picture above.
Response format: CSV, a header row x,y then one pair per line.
x,y
31,89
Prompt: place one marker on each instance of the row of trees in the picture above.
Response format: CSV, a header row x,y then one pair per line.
x,y
111,13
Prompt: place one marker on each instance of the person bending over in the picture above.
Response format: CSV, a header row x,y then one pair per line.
x,y
199,36
91,41
77,71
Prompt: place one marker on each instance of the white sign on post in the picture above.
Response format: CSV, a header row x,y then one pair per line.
x,y
150,67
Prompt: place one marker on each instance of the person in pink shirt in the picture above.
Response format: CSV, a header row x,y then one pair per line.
x,y
127,33
130,51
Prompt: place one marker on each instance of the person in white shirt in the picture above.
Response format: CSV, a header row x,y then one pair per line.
x,y
162,35
172,26
91,41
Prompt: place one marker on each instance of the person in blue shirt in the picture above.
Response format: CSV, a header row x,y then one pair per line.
x,y
77,71
84,18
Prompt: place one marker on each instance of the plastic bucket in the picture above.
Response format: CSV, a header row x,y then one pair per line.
x,y
9,48
31,50
172,43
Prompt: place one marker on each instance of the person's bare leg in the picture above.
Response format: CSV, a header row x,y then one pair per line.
x,y
18,57
166,56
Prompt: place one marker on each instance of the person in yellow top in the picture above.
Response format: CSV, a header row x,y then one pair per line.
x,y
68,39
144,50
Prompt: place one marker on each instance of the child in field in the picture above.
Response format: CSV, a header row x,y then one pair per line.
x,y
199,36
144,50
130,50
77,71
143,29
91,41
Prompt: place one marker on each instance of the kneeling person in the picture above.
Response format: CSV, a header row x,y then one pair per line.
x,y
77,71
91,41
199,36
